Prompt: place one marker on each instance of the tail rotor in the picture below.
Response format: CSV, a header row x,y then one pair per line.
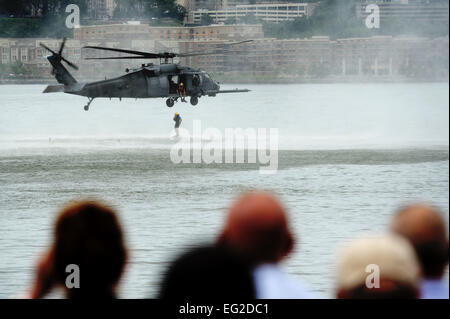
x,y
58,55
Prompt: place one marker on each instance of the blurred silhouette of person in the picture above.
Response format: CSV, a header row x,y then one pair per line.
x,y
87,234
257,228
177,119
424,227
207,273
378,268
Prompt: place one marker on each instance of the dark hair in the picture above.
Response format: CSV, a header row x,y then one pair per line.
x,y
208,273
433,256
89,235
396,290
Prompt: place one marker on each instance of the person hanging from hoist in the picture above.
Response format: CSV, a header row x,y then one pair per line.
x,y
177,119
182,92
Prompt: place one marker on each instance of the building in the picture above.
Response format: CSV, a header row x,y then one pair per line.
x,y
101,9
316,57
142,37
144,31
29,53
266,56
112,31
272,12
372,57
221,4
407,9
204,4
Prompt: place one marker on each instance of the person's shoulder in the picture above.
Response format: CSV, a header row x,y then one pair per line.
x,y
434,289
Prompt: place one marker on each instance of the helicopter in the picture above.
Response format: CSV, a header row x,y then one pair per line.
x,y
147,81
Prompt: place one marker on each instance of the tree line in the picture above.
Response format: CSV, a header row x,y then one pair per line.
x,y
150,9
124,8
46,18
38,8
338,19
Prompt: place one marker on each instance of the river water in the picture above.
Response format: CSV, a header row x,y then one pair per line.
x,y
349,155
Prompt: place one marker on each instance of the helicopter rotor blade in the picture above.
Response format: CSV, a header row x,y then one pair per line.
x,y
47,48
164,55
219,50
72,65
119,58
143,54
61,48
198,53
235,43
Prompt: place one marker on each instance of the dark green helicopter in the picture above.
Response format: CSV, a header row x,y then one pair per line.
x,y
147,81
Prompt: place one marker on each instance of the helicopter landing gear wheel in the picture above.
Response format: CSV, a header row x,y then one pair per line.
x,y
194,100
170,102
86,107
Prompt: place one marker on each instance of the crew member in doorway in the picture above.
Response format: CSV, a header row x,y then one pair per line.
x,y
178,120
182,92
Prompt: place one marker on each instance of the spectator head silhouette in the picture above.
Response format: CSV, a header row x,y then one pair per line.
x,y
257,228
425,228
208,273
378,268
87,234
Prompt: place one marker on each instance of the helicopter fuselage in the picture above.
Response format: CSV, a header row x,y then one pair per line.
x,y
150,81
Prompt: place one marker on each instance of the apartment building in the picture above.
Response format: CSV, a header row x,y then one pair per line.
x,y
378,56
272,12
144,31
319,56
101,9
261,56
407,9
32,55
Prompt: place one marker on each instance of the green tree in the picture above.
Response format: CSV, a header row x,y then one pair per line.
x,y
20,8
15,8
338,19
206,19
250,19
231,20
149,8
18,69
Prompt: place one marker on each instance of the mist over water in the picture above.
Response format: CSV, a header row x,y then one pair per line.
x,y
351,154
310,116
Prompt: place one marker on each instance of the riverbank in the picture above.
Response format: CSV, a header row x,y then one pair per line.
x,y
256,80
